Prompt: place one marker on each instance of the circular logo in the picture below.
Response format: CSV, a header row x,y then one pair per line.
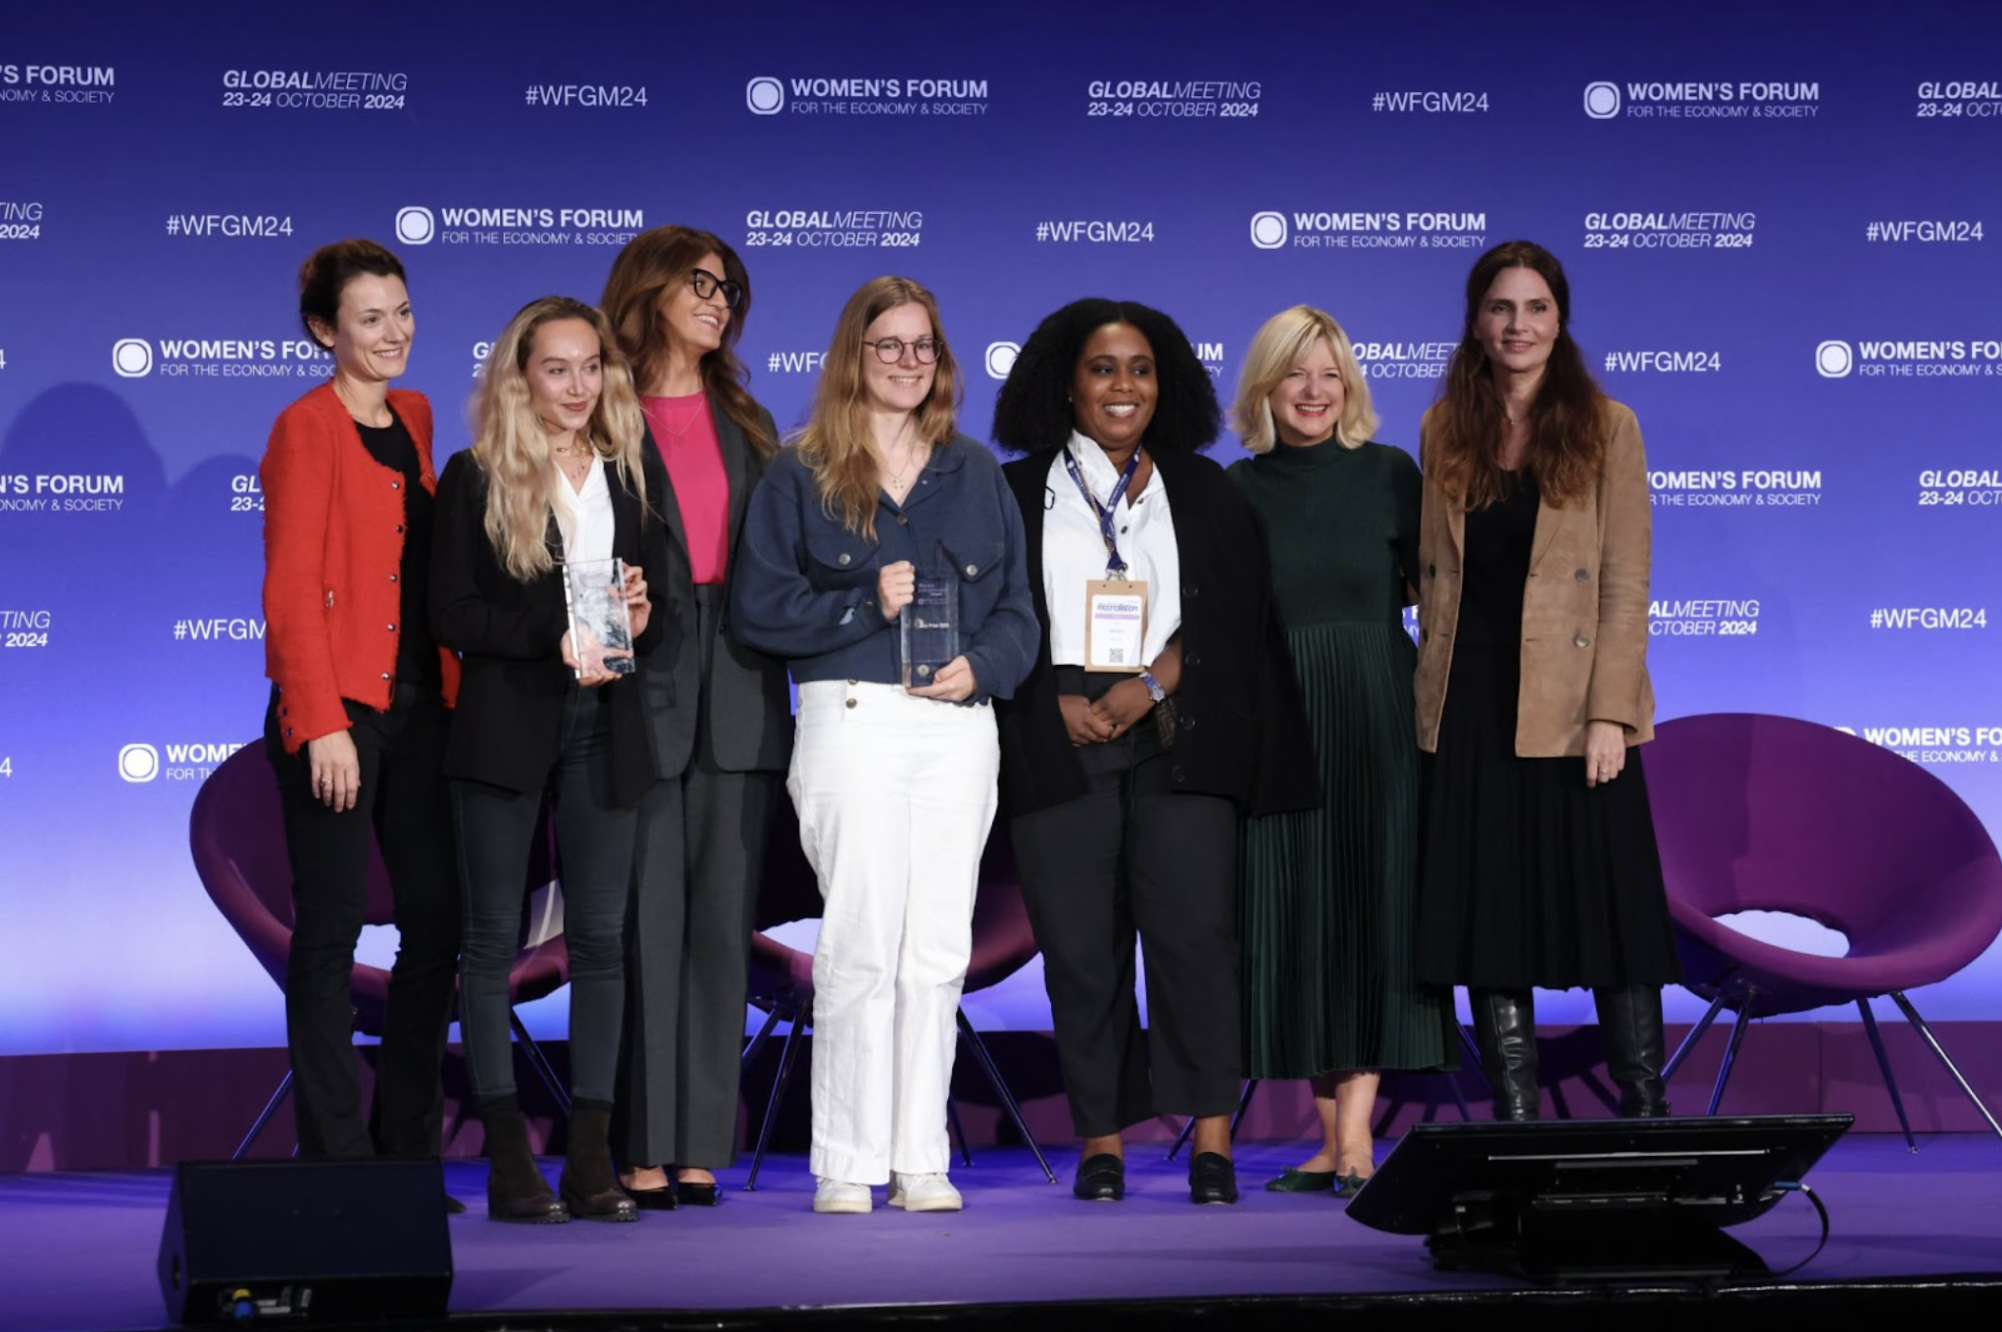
x,y
765,95
415,225
138,763
1602,100
1834,359
1001,358
132,357
1268,230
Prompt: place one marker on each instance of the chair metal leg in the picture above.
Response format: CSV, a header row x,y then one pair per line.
x,y
756,1044
793,1046
264,1117
1236,1118
1001,1091
1912,1016
1473,1053
958,1131
1731,1050
1884,1064
1689,1041
539,1061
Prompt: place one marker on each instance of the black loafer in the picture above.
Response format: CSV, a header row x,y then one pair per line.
x,y
1212,1179
1100,1178
661,1199
699,1195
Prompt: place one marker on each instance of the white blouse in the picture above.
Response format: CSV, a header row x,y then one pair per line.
x,y
585,516
1074,550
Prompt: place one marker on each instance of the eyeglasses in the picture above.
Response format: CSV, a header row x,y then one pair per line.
x,y
707,284
891,350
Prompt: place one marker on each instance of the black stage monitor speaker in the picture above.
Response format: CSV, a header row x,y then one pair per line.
x,y
306,1241
1598,1200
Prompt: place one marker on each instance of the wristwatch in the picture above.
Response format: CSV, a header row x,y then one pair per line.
x,y
1154,690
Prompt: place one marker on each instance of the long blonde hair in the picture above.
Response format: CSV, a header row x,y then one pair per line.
x,y
835,441
1280,344
512,447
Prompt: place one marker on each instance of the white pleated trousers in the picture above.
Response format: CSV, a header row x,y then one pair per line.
x,y
895,797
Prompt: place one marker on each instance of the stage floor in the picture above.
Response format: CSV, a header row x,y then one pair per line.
x,y
77,1250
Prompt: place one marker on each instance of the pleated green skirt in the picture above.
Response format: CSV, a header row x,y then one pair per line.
x,y
1327,897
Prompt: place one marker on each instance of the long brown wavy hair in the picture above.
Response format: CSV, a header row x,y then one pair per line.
x,y
835,442
657,261
1567,420
512,446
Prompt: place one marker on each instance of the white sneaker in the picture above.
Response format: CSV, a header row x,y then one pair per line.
x,y
924,1193
838,1195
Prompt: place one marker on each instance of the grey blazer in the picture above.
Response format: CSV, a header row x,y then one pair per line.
x,y
749,702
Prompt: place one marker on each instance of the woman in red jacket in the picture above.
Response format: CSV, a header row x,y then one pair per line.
x,y
357,721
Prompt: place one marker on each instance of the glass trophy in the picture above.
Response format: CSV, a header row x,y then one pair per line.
x,y
594,594
929,628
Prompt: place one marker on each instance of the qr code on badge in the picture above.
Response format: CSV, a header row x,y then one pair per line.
x,y
1117,656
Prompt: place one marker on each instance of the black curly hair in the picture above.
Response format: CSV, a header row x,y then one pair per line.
x,y
1033,412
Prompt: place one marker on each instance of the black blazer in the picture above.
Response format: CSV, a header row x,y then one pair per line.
x,y
1243,730
749,703
507,727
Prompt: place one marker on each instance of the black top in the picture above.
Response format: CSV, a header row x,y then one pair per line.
x,y
1243,731
1499,539
1342,525
416,650
507,729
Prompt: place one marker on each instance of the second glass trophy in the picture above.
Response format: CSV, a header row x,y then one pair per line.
x,y
929,628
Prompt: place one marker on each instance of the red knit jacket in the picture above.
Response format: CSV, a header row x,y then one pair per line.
x,y
333,540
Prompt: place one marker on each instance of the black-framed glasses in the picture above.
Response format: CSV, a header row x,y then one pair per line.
x,y
707,284
891,350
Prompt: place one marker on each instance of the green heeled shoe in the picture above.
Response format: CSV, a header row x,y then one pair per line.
x,y
1302,1181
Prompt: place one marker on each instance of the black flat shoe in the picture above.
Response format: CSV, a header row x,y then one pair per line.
x,y
1100,1178
661,1199
1303,1181
699,1195
1349,1185
1212,1179
453,1207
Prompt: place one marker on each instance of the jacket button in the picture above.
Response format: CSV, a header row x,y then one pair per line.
x,y
399,529
972,570
1582,641
1188,723
392,578
844,557
1193,660
1583,575
1179,775
851,702
390,627
1190,591
385,675
854,682
903,520
396,485
288,730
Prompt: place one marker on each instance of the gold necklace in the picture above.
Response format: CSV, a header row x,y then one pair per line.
x,y
897,484
677,432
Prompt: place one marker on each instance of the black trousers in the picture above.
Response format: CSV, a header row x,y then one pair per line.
x,y
594,842
403,801
1133,857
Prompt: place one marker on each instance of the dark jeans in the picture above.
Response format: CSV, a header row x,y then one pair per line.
x,y
1133,857
403,803
594,843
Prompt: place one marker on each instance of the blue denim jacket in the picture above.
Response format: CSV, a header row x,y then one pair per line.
x,y
804,586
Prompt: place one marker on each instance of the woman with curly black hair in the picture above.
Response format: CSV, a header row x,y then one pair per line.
x,y
1161,707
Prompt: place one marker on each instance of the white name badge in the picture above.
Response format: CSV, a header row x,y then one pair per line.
x,y
1115,625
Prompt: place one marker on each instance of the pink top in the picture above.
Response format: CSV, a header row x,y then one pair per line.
x,y
686,433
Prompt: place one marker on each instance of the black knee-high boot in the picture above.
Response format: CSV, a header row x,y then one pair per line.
x,y
1505,1031
1630,1026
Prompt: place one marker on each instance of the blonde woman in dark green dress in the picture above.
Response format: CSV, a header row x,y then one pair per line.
x,y
1326,911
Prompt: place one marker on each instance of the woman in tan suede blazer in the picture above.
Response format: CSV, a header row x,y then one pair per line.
x,y
1539,865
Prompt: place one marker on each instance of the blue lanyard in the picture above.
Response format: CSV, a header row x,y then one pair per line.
x,y
1115,567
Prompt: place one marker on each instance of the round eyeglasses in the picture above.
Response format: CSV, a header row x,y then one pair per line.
x,y
891,350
